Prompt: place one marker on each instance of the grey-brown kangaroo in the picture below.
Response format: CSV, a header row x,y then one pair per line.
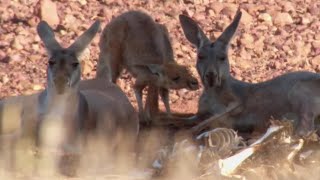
x,y
295,93
78,113
135,42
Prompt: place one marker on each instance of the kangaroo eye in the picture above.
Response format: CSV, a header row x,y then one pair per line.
x,y
200,56
176,78
51,63
222,59
75,64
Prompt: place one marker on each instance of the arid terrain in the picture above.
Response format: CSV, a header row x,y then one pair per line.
x,y
274,37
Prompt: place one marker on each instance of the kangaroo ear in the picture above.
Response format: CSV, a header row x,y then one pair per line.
x,y
46,34
228,33
83,41
192,31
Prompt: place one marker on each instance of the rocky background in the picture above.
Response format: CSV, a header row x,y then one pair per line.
x,y
274,37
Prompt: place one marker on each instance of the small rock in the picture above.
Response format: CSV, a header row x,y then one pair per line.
x,y
185,49
259,45
288,6
71,22
315,61
85,55
313,9
316,44
174,97
302,48
246,18
2,54
86,67
35,47
33,21
210,13
35,57
305,20
229,10
277,64
247,40
4,79
236,70
265,17
200,17
245,55
181,92
216,6
37,87
49,12
82,2
15,58
17,45
282,19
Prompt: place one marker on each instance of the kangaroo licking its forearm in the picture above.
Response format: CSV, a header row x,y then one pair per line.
x,y
135,42
67,115
295,93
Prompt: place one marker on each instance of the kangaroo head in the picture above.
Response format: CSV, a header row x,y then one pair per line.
x,y
172,76
180,77
212,57
63,70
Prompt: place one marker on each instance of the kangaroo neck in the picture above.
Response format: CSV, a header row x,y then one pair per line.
x,y
235,87
67,102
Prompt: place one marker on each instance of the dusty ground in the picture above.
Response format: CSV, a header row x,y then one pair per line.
x,y
274,37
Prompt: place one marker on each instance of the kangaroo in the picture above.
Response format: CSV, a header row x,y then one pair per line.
x,y
292,93
135,42
80,112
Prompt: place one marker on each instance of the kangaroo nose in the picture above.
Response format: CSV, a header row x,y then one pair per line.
x,y
209,79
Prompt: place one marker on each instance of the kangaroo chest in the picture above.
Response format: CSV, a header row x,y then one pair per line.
x,y
58,106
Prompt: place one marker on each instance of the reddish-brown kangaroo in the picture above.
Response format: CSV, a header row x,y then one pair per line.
x,y
135,42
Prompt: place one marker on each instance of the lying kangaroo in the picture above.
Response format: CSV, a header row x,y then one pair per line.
x,y
292,93
135,42
80,112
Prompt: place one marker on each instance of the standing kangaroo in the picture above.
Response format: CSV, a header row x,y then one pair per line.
x,y
296,93
79,112
135,42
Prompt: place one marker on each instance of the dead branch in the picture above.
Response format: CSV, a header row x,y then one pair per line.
x,y
196,129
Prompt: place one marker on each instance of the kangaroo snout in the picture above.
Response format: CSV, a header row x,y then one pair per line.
x,y
209,79
212,79
61,83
